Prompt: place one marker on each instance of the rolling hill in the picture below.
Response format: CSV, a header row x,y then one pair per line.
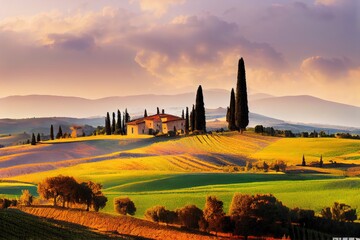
x,y
292,109
307,109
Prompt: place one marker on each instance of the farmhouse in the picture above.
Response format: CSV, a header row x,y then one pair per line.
x,y
159,123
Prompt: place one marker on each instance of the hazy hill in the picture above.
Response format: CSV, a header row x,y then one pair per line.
x,y
58,106
296,109
307,109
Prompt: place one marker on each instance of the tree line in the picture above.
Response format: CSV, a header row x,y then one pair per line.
x,y
68,191
249,215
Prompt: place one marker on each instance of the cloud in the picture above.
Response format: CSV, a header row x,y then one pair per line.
x,y
159,7
72,42
191,50
328,69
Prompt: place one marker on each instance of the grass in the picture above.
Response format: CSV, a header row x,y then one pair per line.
x,y
15,224
291,150
305,191
178,171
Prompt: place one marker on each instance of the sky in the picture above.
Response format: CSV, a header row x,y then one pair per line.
x,y
101,48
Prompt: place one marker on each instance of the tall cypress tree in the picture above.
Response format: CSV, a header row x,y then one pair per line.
x,y
187,121
145,113
38,137
107,124
303,163
200,121
60,133
182,114
192,118
163,111
113,125
241,104
231,112
33,140
118,123
52,132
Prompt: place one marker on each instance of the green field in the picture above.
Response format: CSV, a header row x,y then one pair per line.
x,y
183,171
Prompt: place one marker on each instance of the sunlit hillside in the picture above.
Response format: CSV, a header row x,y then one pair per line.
x,y
184,170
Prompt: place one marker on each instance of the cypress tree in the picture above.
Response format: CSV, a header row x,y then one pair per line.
x,y
303,161
60,133
113,125
163,111
33,140
107,124
38,137
241,104
145,113
182,114
321,163
192,118
157,110
200,122
118,123
187,121
231,112
52,132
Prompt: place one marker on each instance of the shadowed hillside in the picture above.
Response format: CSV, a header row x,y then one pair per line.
x,y
15,224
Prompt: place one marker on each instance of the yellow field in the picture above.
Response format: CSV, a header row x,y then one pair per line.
x,y
291,150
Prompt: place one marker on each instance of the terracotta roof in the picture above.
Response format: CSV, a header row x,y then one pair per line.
x,y
169,118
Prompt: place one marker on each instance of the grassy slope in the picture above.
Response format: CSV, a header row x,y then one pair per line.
x,y
291,150
15,224
159,173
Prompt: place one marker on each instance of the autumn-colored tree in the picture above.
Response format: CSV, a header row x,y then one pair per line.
x,y
257,215
213,213
339,212
26,197
160,214
62,187
189,216
125,206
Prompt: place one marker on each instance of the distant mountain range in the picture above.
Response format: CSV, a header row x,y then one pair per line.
x,y
292,109
42,125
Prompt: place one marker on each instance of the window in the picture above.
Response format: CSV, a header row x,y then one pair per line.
x,y
143,131
132,130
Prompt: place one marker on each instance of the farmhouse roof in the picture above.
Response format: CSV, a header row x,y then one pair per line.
x,y
169,118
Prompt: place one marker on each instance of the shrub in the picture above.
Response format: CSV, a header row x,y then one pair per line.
x,y
4,203
339,212
160,214
26,198
189,216
125,206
